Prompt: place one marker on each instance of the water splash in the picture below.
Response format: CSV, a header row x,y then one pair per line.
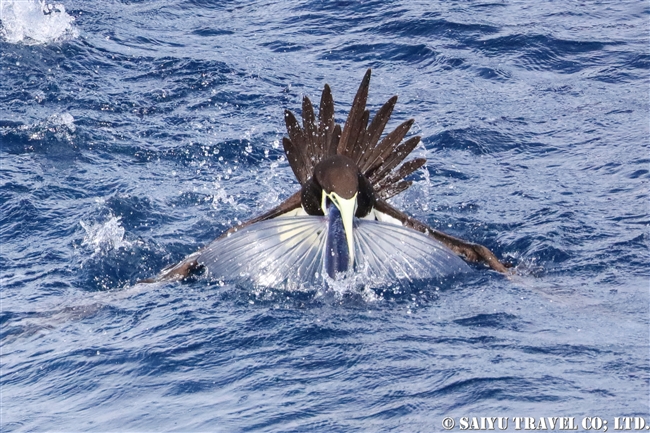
x,y
62,119
221,196
61,126
105,237
35,22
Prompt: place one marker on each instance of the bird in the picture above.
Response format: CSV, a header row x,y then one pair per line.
x,y
340,220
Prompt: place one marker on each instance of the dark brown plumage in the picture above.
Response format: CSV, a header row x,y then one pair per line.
x,y
338,173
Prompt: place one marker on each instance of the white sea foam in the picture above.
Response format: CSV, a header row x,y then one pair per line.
x,y
35,22
106,236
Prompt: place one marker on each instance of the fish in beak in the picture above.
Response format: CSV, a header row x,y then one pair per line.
x,y
339,247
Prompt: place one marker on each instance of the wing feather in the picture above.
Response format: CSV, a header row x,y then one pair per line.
x,y
403,253
289,251
285,250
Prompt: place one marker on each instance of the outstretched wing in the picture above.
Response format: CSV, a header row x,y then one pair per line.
x,y
471,251
273,252
289,251
391,252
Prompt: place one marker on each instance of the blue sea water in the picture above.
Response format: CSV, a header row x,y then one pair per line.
x,y
132,133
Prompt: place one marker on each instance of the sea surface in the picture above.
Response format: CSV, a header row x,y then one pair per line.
x,y
134,132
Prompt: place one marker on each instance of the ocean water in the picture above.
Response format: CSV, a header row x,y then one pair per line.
x,y
133,133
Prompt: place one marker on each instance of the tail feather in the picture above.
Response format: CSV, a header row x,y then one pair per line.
x,y
396,176
295,148
326,124
336,139
375,159
354,125
391,190
374,131
393,159
309,129
359,140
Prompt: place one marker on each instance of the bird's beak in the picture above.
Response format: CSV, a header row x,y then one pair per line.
x,y
347,207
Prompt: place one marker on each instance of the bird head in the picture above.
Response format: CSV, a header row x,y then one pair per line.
x,y
338,179
337,189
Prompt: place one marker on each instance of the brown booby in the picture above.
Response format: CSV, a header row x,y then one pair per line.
x,y
340,221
